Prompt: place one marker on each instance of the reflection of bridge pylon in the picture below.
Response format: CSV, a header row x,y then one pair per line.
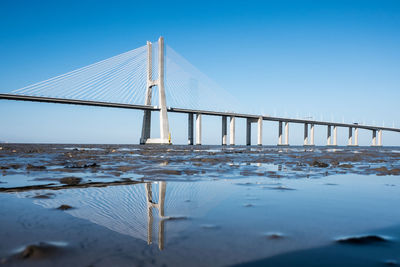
x,y
160,206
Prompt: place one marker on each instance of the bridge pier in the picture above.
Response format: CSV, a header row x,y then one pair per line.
x,y
335,135
373,137
286,133
328,138
232,131
350,142
248,132
260,127
355,136
312,135
190,129
198,129
280,134
224,130
379,137
305,134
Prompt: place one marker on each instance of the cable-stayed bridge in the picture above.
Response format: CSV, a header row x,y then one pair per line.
x,y
150,77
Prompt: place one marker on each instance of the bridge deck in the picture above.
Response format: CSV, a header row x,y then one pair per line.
x,y
182,110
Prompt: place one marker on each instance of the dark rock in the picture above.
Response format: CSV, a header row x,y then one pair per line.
x,y
64,207
363,240
70,180
35,168
319,164
346,166
39,251
83,166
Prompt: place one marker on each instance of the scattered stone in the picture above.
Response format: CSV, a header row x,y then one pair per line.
x,y
35,168
44,196
319,164
363,240
64,207
248,205
83,166
274,236
70,180
346,166
39,251
176,218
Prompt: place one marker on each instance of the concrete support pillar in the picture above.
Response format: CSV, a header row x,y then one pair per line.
x,y
164,125
335,135
146,125
287,133
305,134
165,136
224,131
328,138
356,136
350,136
280,133
312,135
260,126
373,137
198,129
248,132
379,137
190,129
232,131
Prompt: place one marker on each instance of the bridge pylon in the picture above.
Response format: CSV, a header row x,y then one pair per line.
x,y
165,137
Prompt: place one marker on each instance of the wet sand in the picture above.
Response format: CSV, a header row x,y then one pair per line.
x,y
127,205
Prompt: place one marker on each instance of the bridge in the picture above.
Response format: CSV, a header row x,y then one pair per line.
x,y
126,81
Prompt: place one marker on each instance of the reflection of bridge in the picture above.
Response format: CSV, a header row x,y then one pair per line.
x,y
160,206
126,81
138,210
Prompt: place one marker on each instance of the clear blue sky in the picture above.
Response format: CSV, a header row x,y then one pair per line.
x,y
328,59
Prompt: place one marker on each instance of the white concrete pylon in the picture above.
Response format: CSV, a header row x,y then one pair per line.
x,y
350,142
164,125
198,129
287,133
232,131
373,137
224,130
260,128
356,136
335,135
280,133
190,129
312,134
305,134
248,132
379,137
328,139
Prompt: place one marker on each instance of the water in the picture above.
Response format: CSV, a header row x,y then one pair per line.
x,y
199,206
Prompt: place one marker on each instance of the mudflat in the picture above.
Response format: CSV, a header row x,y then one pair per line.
x,y
130,205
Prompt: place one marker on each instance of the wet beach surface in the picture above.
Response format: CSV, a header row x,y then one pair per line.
x,y
128,205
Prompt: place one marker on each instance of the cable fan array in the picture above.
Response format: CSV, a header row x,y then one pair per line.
x,y
123,79
119,79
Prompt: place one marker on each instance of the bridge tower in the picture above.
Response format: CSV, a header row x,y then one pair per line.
x,y
164,125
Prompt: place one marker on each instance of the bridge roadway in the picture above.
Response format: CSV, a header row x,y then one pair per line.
x,y
187,111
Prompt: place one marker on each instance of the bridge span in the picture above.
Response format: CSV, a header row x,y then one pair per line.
x,y
250,118
105,73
